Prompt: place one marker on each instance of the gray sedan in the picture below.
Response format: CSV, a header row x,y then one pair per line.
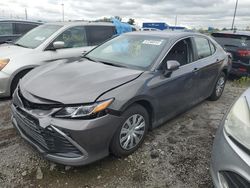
x,y
230,156
78,112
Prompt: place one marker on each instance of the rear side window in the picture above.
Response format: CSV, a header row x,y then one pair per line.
x,y
212,46
98,34
22,28
6,29
203,47
232,40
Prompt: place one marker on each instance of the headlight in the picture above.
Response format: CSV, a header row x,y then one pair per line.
x,y
3,63
84,110
237,123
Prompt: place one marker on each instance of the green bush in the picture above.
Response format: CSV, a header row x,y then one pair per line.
x,y
242,82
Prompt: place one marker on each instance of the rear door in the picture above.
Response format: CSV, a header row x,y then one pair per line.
x,y
99,34
208,66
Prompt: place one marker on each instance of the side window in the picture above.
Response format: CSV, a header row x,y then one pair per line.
x,y
73,38
22,28
6,29
182,52
212,46
203,47
98,34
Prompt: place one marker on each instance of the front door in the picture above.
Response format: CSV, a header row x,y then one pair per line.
x,y
75,44
177,92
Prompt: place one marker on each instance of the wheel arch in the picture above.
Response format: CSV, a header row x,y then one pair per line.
x,y
144,102
18,73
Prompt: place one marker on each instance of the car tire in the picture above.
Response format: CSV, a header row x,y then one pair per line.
x,y
219,87
128,139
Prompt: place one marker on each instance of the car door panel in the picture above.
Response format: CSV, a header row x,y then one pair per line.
x,y
174,94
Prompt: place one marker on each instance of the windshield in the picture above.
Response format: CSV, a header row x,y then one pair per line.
x,y
37,36
129,51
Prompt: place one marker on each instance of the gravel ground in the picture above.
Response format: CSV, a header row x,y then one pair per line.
x,y
176,154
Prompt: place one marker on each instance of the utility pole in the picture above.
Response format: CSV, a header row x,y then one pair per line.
x,y
176,17
235,10
62,11
26,14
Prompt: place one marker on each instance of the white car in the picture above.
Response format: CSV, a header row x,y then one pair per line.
x,y
46,43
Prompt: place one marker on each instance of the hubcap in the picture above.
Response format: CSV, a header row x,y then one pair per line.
x,y
220,86
132,131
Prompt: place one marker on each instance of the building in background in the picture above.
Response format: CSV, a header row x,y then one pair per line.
x,y
161,26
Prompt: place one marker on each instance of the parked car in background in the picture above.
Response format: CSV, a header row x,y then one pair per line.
x,y
230,165
77,112
10,30
237,43
149,29
46,43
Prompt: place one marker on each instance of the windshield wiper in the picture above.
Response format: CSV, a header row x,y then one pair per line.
x,y
88,58
20,45
111,64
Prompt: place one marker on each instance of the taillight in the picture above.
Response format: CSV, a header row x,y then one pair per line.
x,y
244,53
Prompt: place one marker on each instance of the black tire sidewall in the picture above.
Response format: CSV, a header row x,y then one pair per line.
x,y
214,97
115,146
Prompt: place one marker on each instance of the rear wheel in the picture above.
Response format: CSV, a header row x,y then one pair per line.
x,y
131,133
219,87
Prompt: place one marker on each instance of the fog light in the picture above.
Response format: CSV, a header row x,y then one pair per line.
x,y
223,181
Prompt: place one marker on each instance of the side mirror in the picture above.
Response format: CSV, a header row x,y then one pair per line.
x,y
173,65
58,45
170,66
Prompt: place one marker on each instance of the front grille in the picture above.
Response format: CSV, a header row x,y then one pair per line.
x,y
30,105
234,180
48,139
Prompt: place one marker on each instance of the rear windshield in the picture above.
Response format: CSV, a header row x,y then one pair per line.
x,y
232,40
37,36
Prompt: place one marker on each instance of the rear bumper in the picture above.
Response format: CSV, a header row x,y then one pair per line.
x,y
4,84
240,69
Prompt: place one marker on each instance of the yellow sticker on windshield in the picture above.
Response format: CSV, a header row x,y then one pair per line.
x,y
152,42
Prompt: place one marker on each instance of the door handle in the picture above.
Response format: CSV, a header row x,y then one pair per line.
x,y
195,70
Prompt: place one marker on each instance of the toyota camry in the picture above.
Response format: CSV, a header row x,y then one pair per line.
x,y
78,112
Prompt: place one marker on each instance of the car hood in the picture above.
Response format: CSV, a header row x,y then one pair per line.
x,y
10,50
75,82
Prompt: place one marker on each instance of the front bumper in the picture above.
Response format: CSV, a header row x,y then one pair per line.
x,y
4,84
229,161
66,141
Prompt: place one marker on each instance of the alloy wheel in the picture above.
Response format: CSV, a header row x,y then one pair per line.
x,y
220,86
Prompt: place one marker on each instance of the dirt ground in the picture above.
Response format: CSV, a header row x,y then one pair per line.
x,y
176,154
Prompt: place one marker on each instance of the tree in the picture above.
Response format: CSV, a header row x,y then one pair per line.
x,y
131,21
118,18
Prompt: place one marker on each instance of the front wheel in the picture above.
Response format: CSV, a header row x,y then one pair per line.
x,y
219,87
132,131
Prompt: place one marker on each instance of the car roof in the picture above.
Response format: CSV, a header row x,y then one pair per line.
x,y
165,34
233,32
21,21
75,23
